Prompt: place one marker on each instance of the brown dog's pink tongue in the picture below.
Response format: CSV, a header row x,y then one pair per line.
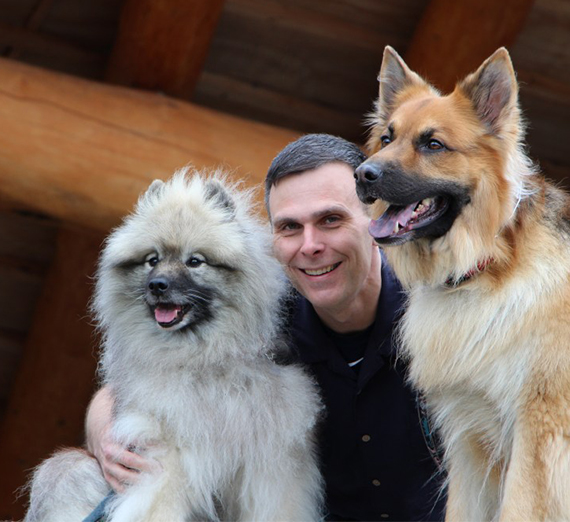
x,y
166,315
384,226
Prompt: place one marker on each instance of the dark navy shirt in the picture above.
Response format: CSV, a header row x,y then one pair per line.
x,y
374,457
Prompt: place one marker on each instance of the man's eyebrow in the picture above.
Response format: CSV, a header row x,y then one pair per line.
x,y
334,209
279,222
319,214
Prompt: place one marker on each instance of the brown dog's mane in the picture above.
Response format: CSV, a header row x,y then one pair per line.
x,y
486,264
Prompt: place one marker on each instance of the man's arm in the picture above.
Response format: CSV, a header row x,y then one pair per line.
x,y
120,467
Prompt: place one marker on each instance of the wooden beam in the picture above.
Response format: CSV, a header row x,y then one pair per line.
x,y
57,374
162,44
27,40
453,38
33,22
82,151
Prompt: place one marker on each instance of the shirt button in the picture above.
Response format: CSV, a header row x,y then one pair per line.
x,y
376,482
365,438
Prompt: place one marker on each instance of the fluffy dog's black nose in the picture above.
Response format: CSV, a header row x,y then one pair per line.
x,y
367,173
158,285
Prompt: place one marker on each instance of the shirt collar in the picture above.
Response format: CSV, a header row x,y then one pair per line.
x,y
314,344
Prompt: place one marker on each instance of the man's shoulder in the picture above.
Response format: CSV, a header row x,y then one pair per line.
x,y
392,298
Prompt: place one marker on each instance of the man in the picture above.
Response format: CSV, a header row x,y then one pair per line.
x,y
374,458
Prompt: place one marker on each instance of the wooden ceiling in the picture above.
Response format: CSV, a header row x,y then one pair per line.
x,y
308,65
150,85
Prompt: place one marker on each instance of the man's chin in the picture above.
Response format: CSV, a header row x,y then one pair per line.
x,y
323,299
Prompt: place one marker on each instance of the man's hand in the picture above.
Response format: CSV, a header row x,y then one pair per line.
x,y
121,467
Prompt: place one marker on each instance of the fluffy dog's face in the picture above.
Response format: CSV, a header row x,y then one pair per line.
x,y
190,258
174,256
179,287
436,159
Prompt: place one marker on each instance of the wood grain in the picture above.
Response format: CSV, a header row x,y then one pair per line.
x,y
82,151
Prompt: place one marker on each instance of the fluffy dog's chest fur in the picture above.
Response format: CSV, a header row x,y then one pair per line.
x,y
204,408
188,300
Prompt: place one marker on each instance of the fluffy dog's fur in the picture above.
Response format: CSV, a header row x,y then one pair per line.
x,y
187,298
482,243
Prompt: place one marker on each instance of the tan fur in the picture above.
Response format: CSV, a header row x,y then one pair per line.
x,y
493,353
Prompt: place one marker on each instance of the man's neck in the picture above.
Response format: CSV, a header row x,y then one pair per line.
x,y
361,313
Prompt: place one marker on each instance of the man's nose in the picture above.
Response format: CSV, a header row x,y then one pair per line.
x,y
312,242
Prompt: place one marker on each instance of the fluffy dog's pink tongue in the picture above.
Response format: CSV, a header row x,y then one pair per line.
x,y
386,224
166,314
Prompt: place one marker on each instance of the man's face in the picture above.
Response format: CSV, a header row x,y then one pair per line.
x,y
320,232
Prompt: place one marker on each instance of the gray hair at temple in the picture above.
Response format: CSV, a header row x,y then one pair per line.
x,y
310,152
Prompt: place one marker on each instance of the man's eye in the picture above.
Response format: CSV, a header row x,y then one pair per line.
x,y
194,262
331,220
288,227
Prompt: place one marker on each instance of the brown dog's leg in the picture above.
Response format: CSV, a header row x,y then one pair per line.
x,y
538,466
473,485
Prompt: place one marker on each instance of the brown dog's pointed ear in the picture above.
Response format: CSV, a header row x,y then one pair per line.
x,y
493,90
394,77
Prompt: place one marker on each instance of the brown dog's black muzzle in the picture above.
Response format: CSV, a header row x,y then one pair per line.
x,y
419,206
366,176
367,172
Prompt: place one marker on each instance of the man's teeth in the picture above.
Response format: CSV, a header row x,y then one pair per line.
x,y
320,271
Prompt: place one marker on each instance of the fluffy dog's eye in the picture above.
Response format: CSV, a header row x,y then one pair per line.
x,y
151,259
194,262
435,145
385,140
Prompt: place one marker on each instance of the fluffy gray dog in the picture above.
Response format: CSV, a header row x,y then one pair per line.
x,y
187,299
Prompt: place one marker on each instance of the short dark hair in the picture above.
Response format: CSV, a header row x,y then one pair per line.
x,y
311,152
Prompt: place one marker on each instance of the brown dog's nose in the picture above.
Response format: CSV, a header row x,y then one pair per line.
x,y
368,172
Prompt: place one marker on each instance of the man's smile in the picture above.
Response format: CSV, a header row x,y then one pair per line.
x,y
320,271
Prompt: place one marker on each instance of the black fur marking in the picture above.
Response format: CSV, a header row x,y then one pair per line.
x,y
400,189
557,205
182,290
224,267
129,265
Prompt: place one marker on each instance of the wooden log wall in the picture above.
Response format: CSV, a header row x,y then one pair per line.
x,y
81,152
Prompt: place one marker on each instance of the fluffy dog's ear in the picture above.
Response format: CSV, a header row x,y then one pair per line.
x,y
216,191
154,188
493,90
395,76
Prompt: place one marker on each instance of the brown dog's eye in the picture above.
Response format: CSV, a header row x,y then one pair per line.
x,y
385,140
435,145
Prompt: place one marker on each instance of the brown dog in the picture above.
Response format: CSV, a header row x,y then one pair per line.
x,y
482,243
